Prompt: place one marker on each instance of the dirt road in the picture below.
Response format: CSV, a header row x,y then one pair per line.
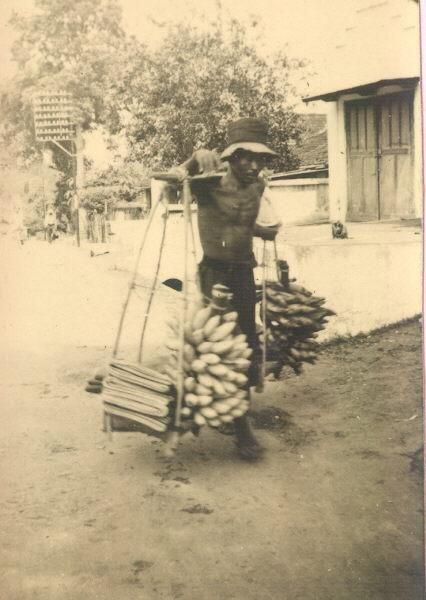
x,y
333,513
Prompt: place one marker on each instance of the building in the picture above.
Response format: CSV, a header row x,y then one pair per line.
x,y
374,115
312,150
301,196
371,92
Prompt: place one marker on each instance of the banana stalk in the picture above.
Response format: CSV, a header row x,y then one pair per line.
x,y
293,316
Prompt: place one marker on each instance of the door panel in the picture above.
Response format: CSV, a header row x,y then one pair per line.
x,y
380,158
362,162
396,157
396,187
362,141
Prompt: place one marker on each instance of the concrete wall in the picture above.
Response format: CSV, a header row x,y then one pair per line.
x,y
369,284
127,238
300,201
337,153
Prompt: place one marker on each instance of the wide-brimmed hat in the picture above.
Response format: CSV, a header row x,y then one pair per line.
x,y
249,134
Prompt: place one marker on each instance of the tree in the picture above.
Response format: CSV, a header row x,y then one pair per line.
x,y
116,183
199,80
77,46
168,101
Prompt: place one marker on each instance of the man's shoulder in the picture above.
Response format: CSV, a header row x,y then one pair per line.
x,y
225,182
230,182
260,184
203,185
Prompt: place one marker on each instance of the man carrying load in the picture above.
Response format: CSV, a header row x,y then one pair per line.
x,y
228,206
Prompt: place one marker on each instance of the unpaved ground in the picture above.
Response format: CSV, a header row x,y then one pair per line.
x,y
333,513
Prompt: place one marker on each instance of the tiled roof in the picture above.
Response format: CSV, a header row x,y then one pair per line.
x,y
313,148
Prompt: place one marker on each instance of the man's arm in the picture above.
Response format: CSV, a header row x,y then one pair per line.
x,y
267,224
204,163
201,162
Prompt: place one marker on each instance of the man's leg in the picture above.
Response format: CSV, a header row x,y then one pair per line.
x,y
241,283
209,277
244,300
247,443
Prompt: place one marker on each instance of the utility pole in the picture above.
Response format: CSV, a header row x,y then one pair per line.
x,y
44,167
79,180
55,122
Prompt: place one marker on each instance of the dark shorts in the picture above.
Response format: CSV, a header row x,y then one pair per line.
x,y
240,280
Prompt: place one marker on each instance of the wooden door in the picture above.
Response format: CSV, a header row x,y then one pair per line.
x,y
363,183
395,151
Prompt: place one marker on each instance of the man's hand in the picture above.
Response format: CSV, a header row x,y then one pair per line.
x,y
207,160
267,233
202,161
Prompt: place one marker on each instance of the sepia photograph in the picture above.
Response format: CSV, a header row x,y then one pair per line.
x,y
211,295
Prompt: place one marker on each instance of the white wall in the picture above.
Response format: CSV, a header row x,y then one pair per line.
x,y
127,238
368,285
337,169
377,39
300,201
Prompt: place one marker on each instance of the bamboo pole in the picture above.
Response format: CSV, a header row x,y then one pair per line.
x,y
186,216
154,284
194,252
172,438
133,279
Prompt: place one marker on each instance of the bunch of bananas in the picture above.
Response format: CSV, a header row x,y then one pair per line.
x,y
294,317
215,361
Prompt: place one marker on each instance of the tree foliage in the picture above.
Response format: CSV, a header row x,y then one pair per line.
x,y
114,184
76,46
169,101
79,47
198,81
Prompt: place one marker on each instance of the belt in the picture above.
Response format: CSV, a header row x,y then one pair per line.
x,y
224,265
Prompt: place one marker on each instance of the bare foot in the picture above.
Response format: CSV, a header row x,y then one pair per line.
x,y
247,444
250,452
226,429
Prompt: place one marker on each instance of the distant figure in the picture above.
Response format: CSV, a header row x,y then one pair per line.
x,y
50,225
339,231
19,228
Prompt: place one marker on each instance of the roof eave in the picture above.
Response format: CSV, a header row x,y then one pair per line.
x,y
366,89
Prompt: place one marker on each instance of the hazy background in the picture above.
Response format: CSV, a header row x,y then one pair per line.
x,y
309,29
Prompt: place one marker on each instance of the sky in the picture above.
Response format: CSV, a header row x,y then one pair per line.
x,y
344,40
306,27
287,20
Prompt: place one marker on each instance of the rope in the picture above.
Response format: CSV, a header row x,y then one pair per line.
x,y
194,253
154,283
133,280
276,260
259,387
